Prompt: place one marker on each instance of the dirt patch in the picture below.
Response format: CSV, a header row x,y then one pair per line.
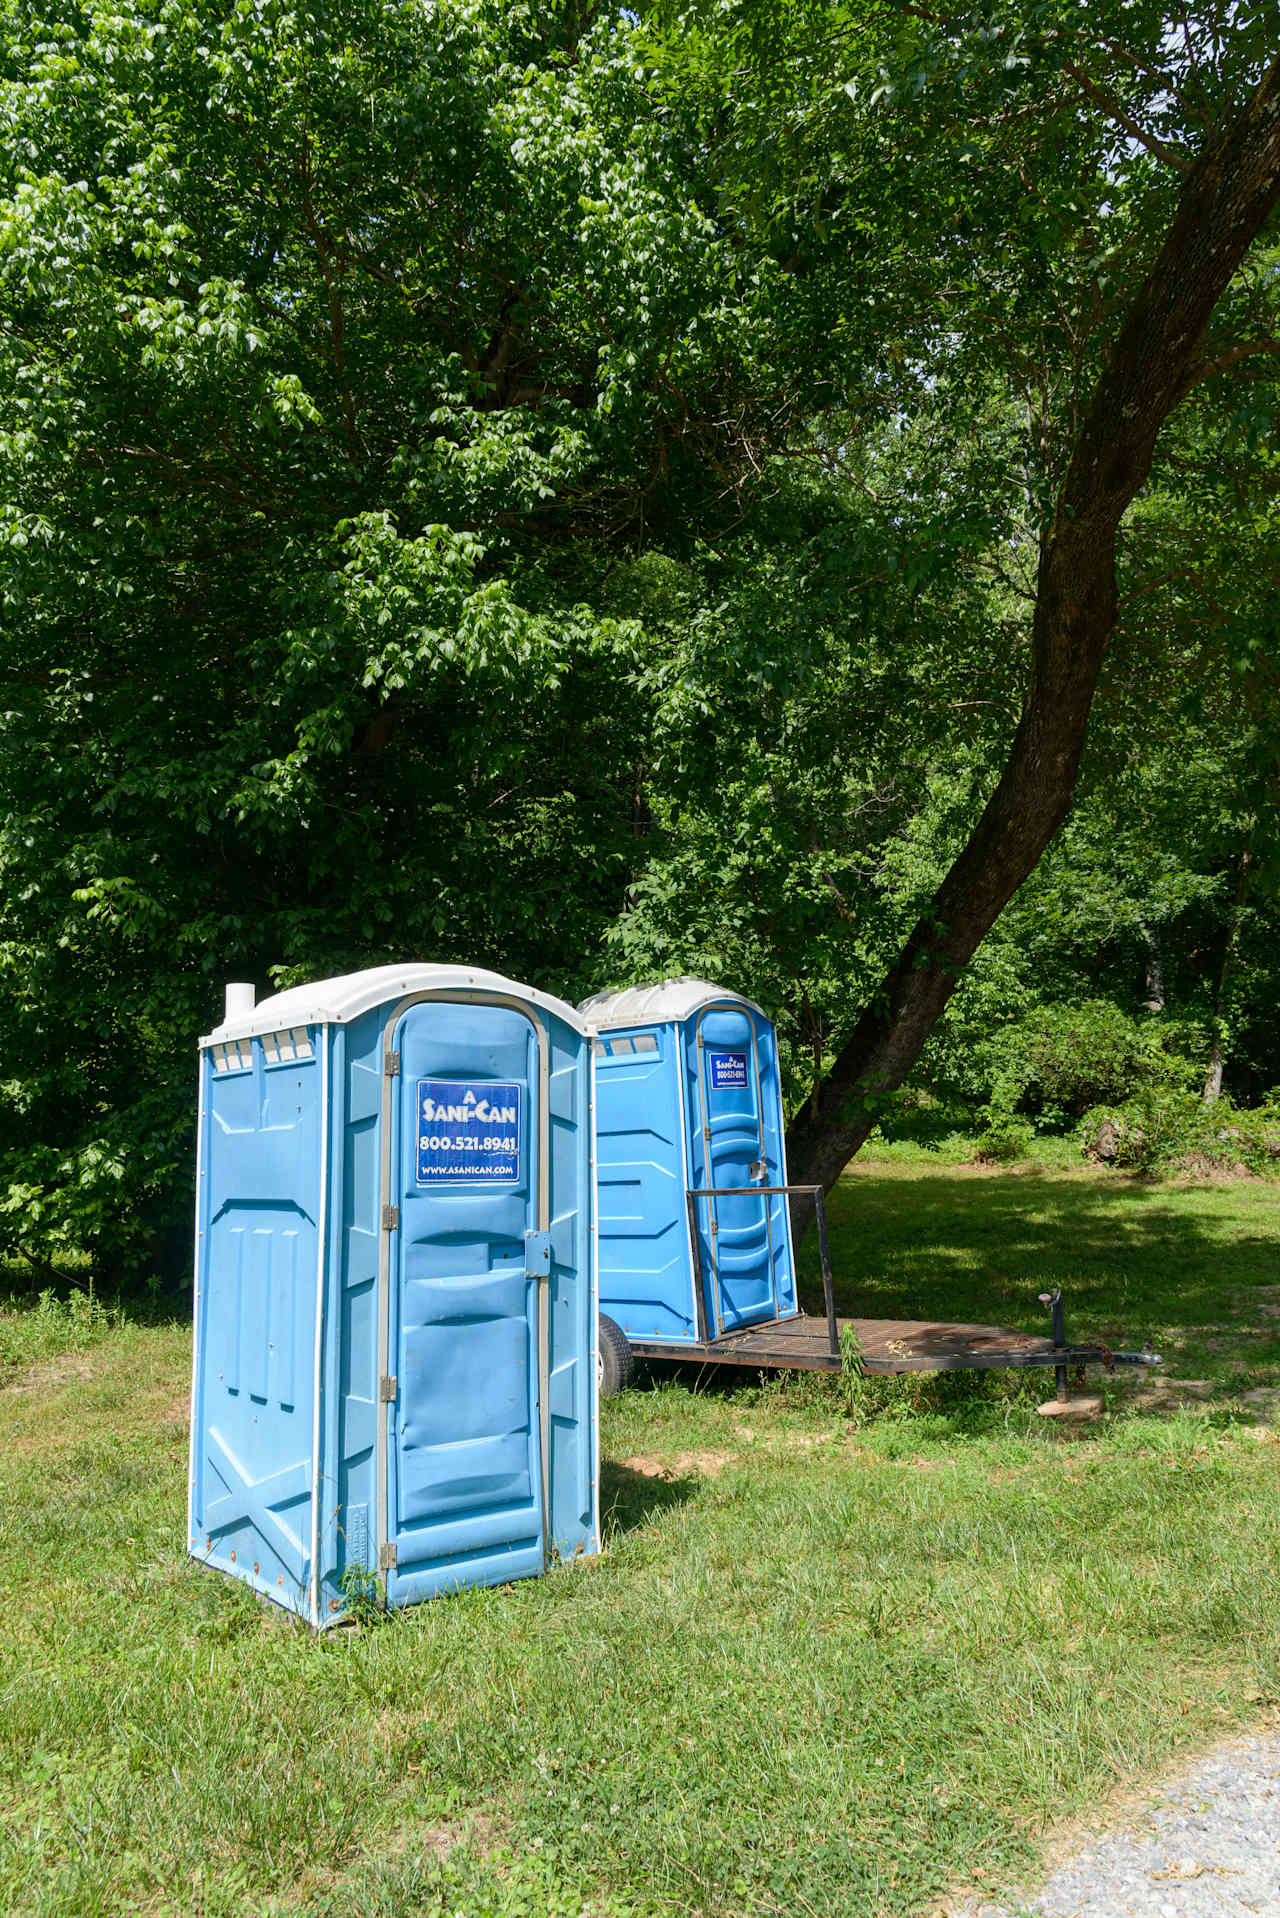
x,y
782,1441
1164,1394
1178,1391
1193,1168
410,1842
178,1413
60,1371
437,1841
710,1464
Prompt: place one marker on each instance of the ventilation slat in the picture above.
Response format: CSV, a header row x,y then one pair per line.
x,y
288,1047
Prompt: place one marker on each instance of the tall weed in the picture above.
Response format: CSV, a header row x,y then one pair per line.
x,y
31,1333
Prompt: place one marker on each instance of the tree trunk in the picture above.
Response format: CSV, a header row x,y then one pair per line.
x,y
1154,999
1213,1082
1155,359
1217,1052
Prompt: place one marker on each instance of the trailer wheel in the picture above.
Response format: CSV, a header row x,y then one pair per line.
x,y
616,1362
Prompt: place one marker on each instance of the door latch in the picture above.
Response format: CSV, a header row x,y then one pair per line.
x,y
537,1255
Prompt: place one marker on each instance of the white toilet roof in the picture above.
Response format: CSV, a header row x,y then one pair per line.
x,y
670,1001
336,1001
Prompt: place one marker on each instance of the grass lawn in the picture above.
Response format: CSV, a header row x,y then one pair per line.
x,y
829,1664
1195,1268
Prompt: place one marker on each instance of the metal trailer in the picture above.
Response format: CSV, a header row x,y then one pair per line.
x,y
696,1255
395,1367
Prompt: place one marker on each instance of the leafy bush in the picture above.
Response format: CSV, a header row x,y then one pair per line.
x,y
1057,1061
916,1116
1004,1139
1062,1060
1163,1130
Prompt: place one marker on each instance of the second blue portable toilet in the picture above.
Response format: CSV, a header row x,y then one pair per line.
x,y
395,1373
688,1097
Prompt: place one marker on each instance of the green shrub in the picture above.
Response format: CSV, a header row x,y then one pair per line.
x,y
1053,1061
915,1116
1060,1061
1004,1139
1163,1130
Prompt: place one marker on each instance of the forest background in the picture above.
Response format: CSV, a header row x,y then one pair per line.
x,y
569,491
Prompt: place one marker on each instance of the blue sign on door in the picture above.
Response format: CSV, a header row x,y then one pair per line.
x,y
468,1130
728,1069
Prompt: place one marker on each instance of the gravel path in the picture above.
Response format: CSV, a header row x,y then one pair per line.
x,y
1208,1847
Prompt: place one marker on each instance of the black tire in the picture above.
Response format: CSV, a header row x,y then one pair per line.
x,y
617,1361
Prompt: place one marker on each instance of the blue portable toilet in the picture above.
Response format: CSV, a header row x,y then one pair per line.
x,y
395,1362
688,1097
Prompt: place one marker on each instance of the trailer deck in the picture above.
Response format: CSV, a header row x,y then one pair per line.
x,y
802,1343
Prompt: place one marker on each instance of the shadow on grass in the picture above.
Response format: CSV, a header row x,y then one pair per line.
x,y
1131,1257
631,1499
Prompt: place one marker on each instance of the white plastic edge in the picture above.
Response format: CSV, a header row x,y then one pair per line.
x,y
197,1314
593,1268
669,999
337,1001
322,1268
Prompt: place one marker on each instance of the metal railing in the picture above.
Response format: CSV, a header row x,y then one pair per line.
x,y
814,1192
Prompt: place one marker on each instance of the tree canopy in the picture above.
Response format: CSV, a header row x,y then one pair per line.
x,y
593,493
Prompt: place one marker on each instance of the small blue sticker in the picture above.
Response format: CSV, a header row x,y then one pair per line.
x,y
468,1129
728,1069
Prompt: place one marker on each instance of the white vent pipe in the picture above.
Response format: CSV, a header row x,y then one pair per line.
x,y
240,1001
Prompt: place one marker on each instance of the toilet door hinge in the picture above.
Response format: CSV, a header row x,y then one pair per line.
x,y
392,1065
390,1217
387,1556
387,1390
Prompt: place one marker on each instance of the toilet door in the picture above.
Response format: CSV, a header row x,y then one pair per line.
x,y
464,1459
735,1233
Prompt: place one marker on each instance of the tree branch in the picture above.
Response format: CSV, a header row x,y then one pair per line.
x,y
1224,201
1171,155
1225,361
